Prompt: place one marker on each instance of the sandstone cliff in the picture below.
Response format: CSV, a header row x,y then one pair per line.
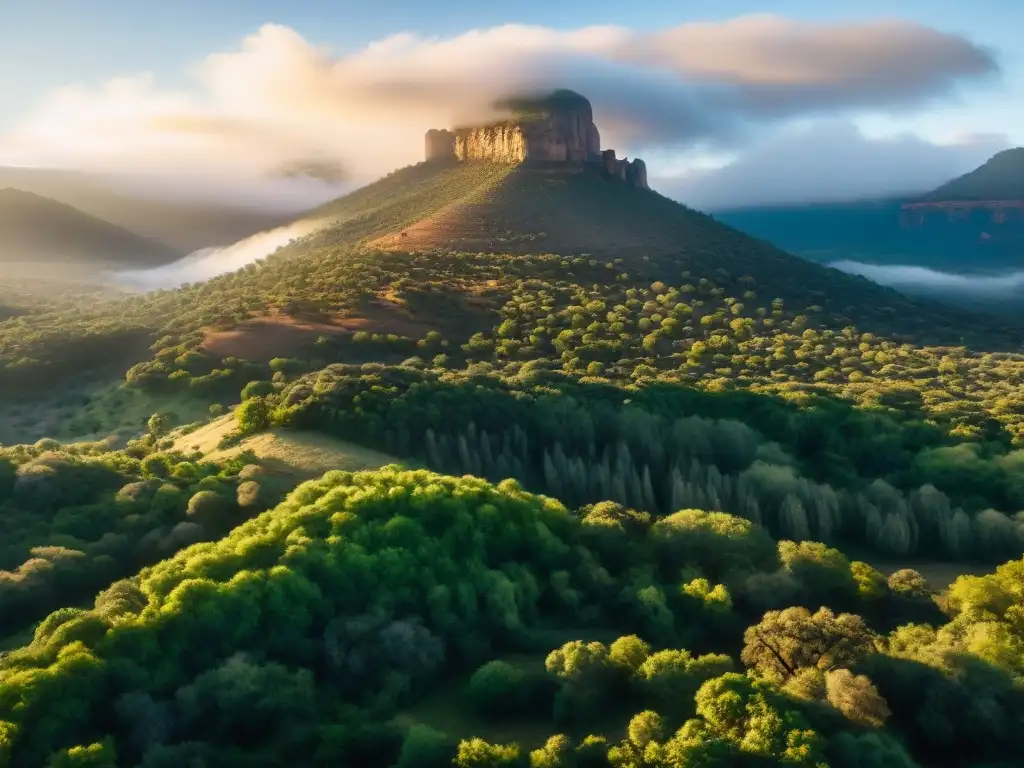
x,y
558,128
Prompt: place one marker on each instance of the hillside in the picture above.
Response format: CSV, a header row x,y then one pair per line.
x,y
1000,178
401,198
359,274
37,230
573,209
182,226
563,209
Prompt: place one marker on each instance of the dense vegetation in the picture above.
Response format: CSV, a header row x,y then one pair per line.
x,y
721,433
820,471
305,631
78,517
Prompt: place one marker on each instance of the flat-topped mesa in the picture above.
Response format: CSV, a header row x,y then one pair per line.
x,y
558,128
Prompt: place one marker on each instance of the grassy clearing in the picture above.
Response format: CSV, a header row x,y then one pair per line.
x,y
286,451
92,410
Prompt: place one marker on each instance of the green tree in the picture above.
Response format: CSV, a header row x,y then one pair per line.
x,y
252,415
789,640
477,753
158,424
257,389
426,747
98,755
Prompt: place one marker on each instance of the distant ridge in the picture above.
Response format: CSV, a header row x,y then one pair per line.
x,y
999,178
38,230
181,226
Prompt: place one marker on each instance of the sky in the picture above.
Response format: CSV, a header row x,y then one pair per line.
x,y
730,103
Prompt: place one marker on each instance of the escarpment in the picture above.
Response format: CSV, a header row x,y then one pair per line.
x,y
558,128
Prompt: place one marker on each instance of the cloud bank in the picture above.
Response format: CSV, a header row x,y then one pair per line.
x,y
209,262
279,106
915,279
829,161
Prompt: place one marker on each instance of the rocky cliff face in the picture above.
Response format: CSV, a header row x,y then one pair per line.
x,y
501,143
558,128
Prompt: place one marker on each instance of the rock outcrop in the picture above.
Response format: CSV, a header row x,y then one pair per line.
x,y
440,144
558,128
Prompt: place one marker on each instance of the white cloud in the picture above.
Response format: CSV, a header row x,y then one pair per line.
x,y
210,262
278,101
910,278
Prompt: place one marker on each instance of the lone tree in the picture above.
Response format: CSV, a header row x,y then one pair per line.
x,y
787,641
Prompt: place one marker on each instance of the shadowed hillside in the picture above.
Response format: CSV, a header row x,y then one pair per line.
x,y
557,208
37,229
870,231
1000,178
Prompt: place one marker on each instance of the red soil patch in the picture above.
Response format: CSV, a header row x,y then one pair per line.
x,y
266,337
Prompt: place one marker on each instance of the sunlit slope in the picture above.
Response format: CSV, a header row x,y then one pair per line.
x,y
287,451
565,210
403,197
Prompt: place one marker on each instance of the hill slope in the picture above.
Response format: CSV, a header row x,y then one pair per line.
x,y
182,226
1000,178
289,452
38,229
557,209
489,208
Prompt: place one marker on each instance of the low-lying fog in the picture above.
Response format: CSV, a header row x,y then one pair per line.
x,y
209,262
913,279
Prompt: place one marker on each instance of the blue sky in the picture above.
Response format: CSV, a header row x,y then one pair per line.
x,y
50,44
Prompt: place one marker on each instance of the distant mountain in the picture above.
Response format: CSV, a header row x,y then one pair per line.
x,y
182,226
38,230
1000,178
873,231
